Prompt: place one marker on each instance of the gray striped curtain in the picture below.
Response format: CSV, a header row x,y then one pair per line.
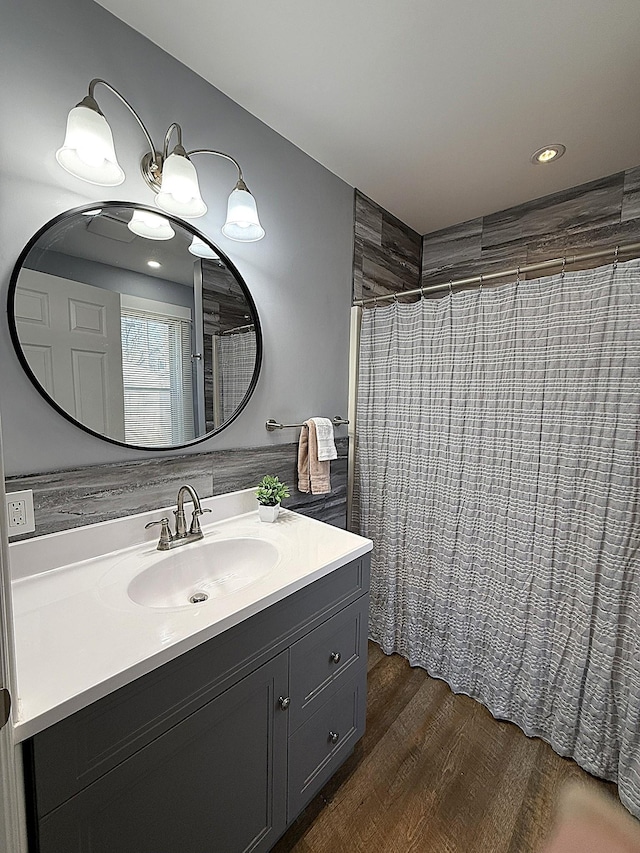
x,y
498,473
237,363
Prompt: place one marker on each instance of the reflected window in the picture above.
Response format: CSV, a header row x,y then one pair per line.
x,y
157,372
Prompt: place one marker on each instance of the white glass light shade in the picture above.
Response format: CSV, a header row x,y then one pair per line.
x,y
201,249
242,222
180,192
88,151
150,225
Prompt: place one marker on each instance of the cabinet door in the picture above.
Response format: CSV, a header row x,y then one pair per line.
x,y
214,782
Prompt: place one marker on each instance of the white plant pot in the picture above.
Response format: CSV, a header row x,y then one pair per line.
x,y
268,513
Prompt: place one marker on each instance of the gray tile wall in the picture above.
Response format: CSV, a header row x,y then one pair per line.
x,y
391,258
75,497
592,216
386,251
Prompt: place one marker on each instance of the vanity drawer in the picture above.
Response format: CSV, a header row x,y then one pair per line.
x,y
327,657
319,746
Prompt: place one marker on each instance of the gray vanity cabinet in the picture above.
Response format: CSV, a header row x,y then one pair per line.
x,y
219,775
218,750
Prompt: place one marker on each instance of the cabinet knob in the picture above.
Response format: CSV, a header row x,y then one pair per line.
x,y
334,737
335,657
284,702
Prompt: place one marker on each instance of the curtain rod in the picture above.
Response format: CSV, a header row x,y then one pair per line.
x,y
481,279
247,326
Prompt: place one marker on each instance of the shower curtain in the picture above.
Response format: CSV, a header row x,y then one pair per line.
x,y
236,365
497,471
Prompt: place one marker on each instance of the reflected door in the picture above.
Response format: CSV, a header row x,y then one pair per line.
x,y
70,335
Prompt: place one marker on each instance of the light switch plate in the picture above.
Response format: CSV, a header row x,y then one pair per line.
x,y
20,515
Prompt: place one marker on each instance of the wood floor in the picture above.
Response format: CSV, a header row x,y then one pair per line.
x,y
434,773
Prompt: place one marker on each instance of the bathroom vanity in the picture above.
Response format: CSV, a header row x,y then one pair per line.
x,y
219,738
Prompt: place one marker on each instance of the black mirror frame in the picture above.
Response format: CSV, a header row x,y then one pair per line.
x,y
105,205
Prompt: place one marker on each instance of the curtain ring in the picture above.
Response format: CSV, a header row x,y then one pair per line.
x,y
518,276
615,259
422,292
481,282
564,267
450,287
375,300
395,298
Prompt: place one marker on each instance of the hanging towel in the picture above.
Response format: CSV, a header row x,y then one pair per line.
x,y
313,475
326,444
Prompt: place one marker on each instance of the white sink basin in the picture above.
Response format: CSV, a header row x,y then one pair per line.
x,y
193,574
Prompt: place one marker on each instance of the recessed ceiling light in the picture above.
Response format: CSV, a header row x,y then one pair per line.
x,y
155,265
548,153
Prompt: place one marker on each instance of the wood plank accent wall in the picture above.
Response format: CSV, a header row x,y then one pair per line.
x,y
72,498
386,252
592,216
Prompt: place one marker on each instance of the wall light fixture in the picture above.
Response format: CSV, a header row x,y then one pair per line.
x,y
88,152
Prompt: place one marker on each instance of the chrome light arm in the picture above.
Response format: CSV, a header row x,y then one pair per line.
x,y
226,157
155,158
167,139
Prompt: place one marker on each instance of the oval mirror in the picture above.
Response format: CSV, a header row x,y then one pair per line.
x,y
134,326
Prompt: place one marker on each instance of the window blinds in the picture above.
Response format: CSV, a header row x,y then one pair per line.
x,y
157,374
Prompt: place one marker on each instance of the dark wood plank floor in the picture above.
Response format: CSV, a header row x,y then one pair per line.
x,y
434,773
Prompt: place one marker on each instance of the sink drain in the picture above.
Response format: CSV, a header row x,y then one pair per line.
x,y
198,597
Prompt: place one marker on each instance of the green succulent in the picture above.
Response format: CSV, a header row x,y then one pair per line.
x,y
271,491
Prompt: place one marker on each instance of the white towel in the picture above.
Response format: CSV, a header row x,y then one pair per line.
x,y
326,444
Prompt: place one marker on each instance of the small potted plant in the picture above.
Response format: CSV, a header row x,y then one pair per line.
x,y
269,494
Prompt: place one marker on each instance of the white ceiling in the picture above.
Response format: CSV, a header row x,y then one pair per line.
x,y
430,107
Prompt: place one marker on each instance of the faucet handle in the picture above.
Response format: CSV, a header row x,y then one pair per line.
x,y
195,521
165,533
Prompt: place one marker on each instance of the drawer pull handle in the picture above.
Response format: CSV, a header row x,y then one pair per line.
x,y
334,737
335,657
284,702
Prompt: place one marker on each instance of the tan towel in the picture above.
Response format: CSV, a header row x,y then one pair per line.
x,y
313,476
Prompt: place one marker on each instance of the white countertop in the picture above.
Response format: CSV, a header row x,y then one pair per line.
x,y
78,634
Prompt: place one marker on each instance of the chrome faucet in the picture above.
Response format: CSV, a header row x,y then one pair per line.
x,y
170,540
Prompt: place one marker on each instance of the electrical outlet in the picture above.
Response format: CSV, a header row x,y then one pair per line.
x,y
20,516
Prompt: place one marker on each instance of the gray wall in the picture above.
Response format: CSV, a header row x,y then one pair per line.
x,y
112,278
299,275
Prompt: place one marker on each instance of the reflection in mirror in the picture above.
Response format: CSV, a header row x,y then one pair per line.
x,y
135,326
